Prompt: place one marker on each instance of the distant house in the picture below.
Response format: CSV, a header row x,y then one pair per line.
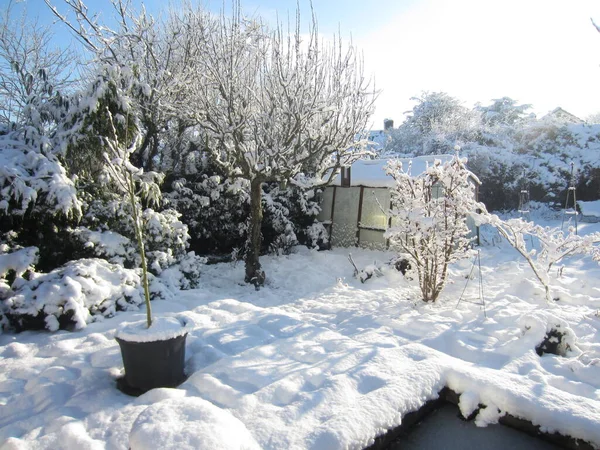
x,y
354,207
590,211
560,116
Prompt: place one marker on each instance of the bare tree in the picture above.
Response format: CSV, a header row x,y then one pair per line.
x,y
31,67
275,107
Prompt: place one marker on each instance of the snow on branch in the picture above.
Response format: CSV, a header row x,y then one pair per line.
x,y
29,178
554,244
429,219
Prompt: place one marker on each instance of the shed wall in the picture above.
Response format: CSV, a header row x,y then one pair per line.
x,y
357,216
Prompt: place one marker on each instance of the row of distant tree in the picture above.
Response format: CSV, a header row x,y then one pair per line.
x,y
509,148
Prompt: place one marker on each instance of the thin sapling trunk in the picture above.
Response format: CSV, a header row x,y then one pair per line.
x,y
135,206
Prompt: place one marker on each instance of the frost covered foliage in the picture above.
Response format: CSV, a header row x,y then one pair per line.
x,y
217,209
429,219
553,245
214,209
37,198
109,233
434,126
71,296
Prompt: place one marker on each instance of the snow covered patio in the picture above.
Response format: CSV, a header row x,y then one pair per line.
x,y
317,360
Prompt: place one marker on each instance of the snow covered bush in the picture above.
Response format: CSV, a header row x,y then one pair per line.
x,y
216,210
553,244
109,233
290,219
429,219
185,274
31,181
37,199
15,264
501,173
72,295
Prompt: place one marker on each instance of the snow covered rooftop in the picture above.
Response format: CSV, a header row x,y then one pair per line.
x,y
591,209
560,116
371,172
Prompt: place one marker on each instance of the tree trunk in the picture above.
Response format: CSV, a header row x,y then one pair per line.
x,y
253,273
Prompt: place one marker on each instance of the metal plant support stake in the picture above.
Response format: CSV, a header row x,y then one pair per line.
x,y
479,300
524,207
570,194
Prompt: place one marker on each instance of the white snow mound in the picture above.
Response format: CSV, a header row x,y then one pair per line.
x,y
189,423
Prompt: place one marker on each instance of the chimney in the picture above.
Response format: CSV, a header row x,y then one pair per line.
x,y
388,124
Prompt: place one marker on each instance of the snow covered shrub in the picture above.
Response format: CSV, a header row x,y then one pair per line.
x,y
553,244
185,274
290,219
72,295
501,173
109,233
15,264
429,219
552,147
37,199
216,210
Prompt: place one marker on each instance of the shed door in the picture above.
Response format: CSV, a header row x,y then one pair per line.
x,y
345,217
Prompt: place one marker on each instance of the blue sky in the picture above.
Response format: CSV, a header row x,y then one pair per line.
x,y
541,52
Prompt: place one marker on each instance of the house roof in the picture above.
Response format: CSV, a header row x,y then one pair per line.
x,y
371,172
591,209
561,116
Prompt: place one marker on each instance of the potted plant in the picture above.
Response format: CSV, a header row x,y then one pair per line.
x,y
153,351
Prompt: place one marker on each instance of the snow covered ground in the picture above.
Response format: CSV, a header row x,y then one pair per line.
x,y
317,360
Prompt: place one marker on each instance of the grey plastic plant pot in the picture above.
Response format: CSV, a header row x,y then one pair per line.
x,y
150,365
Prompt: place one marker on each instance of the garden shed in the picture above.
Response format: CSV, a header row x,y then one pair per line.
x,y
352,207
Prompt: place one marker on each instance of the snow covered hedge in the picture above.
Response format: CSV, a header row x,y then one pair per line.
x,y
38,200
217,209
70,296
31,180
79,292
107,232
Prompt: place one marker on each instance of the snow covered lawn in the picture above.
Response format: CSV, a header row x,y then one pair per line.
x,y
317,360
